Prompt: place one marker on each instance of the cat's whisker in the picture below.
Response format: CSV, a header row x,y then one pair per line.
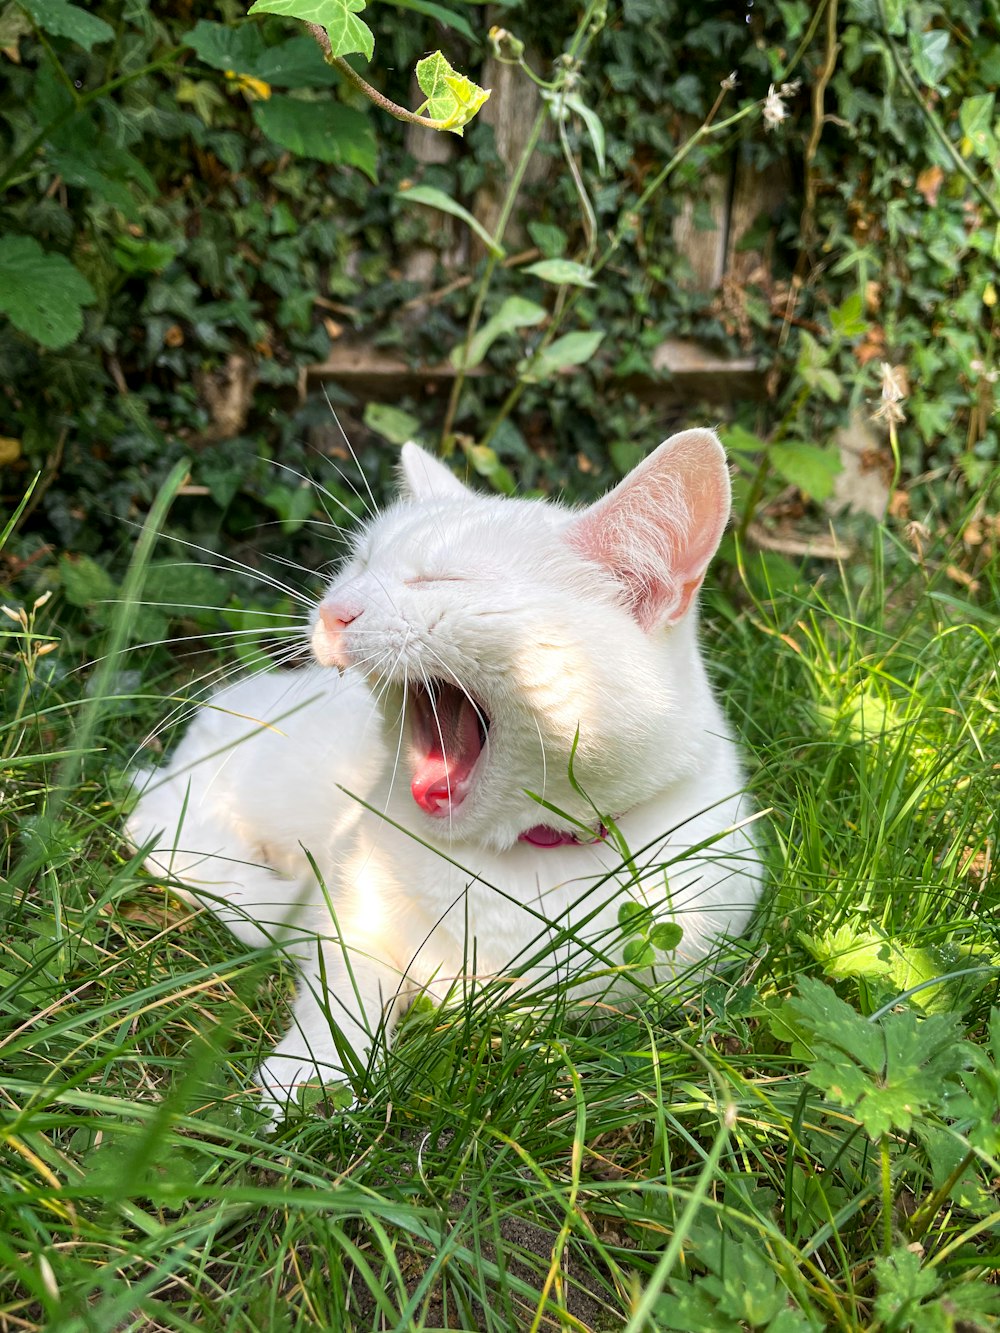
x,y
401,731
230,563
197,691
432,699
272,631
311,481
350,447
541,747
484,720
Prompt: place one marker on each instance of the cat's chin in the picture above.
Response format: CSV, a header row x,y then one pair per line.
x,y
449,736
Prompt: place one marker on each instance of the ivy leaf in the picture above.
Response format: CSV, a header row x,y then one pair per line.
x,y
888,1073
326,131
432,198
392,423
570,350
42,294
931,57
847,319
139,255
293,505
452,99
976,118
562,272
515,313
806,466
65,20
348,35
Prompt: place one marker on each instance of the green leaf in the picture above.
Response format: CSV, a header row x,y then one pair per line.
x,y
902,1285
932,58
223,47
887,1073
741,441
976,118
433,198
452,99
42,294
570,350
562,272
443,15
550,239
666,936
326,131
203,95
348,35
392,423
632,916
626,454
847,319
806,466
85,583
486,463
594,126
293,504
846,952
514,313
135,254
297,63
61,19
638,953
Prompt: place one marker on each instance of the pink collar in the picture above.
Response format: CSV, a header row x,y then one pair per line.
x,y
544,836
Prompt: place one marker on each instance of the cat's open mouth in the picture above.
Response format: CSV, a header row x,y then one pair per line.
x,y
448,731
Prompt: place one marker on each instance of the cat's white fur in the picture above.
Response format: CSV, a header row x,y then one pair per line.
x,y
562,626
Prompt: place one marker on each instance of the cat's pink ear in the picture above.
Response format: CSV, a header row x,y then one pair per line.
x,y
659,528
426,477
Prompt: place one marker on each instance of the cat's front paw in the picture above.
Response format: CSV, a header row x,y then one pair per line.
x,y
293,1080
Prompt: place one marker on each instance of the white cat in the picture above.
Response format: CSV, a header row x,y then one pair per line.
x,y
373,812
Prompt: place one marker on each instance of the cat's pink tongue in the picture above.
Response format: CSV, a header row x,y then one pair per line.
x,y
447,741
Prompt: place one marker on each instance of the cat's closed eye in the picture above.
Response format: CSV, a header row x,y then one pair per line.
x,y
428,579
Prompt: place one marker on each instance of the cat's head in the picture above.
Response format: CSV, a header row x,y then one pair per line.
x,y
497,633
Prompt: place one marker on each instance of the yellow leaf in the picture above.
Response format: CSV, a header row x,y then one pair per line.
x,y
10,450
452,99
256,90
990,294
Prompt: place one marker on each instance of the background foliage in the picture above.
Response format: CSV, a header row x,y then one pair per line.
x,y
178,246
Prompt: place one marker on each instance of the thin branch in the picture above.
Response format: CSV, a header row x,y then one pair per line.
x,y
352,76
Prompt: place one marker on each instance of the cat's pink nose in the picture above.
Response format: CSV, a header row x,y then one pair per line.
x,y
336,618
333,617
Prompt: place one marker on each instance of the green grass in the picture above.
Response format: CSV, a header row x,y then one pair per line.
x,y
762,1155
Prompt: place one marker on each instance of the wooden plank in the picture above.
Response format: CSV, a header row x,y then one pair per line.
x,y
691,371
